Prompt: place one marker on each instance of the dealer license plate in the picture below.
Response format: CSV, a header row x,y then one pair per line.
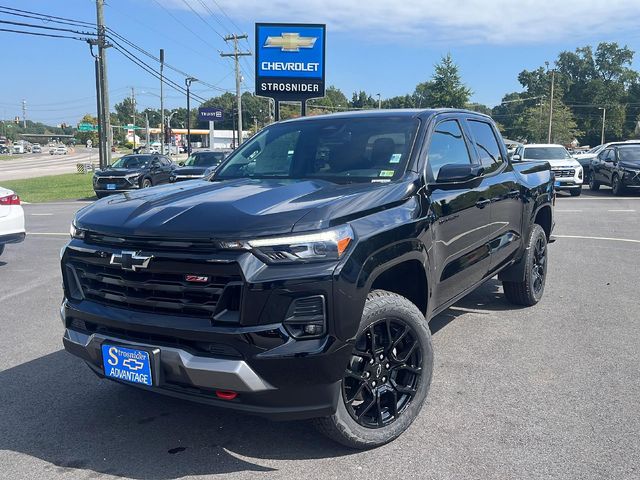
x,y
111,186
127,364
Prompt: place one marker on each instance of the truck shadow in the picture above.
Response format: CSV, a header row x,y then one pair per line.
x,y
487,298
56,410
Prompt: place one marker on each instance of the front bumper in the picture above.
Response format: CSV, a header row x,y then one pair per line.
x,y
296,380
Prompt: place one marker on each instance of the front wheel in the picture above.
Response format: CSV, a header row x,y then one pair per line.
x,y
1,248
146,183
617,186
529,291
593,185
388,376
576,192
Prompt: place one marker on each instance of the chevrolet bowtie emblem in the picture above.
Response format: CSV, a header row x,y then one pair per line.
x,y
130,261
290,42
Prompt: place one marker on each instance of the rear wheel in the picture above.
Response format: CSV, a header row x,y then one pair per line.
x,y
593,184
529,291
575,192
388,376
616,185
1,248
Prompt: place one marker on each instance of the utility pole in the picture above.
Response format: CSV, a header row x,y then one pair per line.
x,y
236,55
146,118
187,82
604,116
104,88
133,104
161,102
553,77
24,113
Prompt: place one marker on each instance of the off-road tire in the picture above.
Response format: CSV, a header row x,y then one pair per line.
x,y
528,292
342,426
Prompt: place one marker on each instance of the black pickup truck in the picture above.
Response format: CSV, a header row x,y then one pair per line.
x,y
298,282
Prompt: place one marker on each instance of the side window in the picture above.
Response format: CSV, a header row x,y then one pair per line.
x,y
604,154
487,145
447,146
165,161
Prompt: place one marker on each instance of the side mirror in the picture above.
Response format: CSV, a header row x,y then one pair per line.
x,y
457,173
516,157
609,160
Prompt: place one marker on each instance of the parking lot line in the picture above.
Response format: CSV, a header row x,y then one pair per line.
x,y
629,240
41,214
621,210
49,233
568,210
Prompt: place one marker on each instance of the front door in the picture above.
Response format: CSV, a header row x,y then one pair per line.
x,y
461,216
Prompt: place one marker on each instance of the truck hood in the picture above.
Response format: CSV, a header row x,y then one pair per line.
x,y
238,208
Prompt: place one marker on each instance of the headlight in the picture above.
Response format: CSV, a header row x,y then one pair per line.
x,y
75,232
132,176
312,247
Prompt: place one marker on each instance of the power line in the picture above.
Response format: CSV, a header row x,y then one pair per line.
x,y
49,17
202,18
50,35
155,58
31,25
74,23
215,17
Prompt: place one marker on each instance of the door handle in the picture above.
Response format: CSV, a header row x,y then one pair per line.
x,y
482,203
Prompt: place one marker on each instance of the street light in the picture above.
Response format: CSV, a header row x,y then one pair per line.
x,y
169,127
187,82
604,116
379,101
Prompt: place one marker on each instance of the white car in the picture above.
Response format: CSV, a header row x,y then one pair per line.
x,y
11,219
59,150
569,174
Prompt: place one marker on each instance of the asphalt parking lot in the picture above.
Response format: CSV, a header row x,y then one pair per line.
x,y
547,392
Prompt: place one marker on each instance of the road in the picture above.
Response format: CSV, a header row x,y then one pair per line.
x,y
40,164
551,391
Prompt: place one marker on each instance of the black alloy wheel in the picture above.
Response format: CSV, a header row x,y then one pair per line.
x,y
383,374
539,267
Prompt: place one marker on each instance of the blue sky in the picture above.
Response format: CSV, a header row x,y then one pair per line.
x,y
378,45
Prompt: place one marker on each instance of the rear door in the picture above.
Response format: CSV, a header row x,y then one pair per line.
x,y
503,191
460,215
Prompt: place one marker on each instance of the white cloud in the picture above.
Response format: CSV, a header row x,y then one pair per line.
x,y
440,21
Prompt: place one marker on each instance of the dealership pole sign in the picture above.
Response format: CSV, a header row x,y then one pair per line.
x,y
290,61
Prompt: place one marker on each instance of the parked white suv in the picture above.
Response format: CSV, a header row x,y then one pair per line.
x,y
11,219
569,174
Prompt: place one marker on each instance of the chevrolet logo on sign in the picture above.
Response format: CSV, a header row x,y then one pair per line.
x,y
290,42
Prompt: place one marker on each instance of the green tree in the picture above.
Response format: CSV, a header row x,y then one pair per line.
x,y
534,124
446,88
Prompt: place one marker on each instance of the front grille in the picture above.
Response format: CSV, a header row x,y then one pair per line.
x,y
565,172
155,244
162,288
119,182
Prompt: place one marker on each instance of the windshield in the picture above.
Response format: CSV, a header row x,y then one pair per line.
x,y
131,161
204,159
546,153
342,150
629,154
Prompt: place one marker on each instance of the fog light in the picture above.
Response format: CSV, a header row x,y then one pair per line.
x,y
306,317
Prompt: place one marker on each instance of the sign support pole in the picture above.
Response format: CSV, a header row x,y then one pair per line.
x,y
304,108
276,109
212,134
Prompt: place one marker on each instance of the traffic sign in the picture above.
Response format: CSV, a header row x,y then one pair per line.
x,y
87,127
210,114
